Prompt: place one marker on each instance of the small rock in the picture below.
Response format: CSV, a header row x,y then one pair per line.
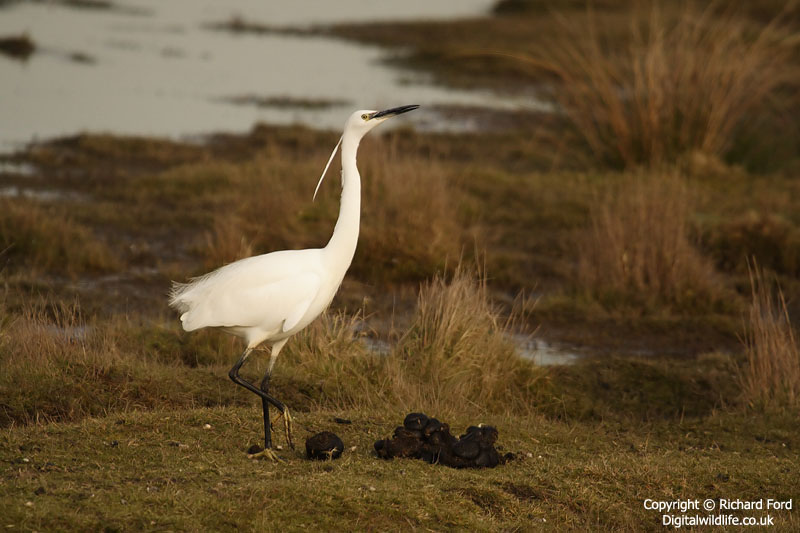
x,y
207,426
324,446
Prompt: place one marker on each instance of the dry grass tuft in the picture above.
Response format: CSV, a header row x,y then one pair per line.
x,y
771,373
331,363
40,237
458,353
772,238
672,84
638,249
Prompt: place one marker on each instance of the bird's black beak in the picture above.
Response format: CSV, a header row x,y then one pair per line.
x,y
386,113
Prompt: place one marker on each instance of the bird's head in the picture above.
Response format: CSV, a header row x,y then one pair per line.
x,y
364,120
358,124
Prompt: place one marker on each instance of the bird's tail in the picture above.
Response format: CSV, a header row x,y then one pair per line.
x,y
176,296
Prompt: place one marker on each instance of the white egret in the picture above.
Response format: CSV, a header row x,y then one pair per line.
x,y
268,298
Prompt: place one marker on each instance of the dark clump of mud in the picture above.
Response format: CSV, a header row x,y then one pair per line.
x,y
422,437
17,46
324,446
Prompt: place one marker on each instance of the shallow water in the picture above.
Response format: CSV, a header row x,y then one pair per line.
x,y
544,353
155,68
539,351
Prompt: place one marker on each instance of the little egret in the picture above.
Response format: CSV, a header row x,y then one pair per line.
x,y
268,298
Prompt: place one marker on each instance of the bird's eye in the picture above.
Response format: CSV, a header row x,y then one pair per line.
x,y
365,116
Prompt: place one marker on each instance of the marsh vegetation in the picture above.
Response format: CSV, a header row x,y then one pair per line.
x,y
657,229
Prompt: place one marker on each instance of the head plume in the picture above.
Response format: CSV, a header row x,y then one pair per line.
x,y
335,148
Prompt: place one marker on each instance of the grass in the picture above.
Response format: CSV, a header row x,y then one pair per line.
x,y
104,401
46,238
459,351
675,84
58,366
640,83
771,374
162,470
402,197
638,247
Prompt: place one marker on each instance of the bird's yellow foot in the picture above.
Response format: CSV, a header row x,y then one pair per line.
x,y
287,423
267,454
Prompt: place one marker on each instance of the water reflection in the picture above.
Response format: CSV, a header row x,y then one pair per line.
x,y
153,67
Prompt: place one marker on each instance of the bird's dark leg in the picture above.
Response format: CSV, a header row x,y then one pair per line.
x,y
265,405
287,418
265,400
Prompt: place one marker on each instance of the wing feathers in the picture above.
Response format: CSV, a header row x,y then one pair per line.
x,y
272,292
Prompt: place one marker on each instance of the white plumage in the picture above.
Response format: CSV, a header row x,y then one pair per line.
x,y
269,298
258,298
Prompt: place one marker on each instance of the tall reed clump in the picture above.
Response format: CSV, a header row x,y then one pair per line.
x,y
637,249
458,354
770,375
673,84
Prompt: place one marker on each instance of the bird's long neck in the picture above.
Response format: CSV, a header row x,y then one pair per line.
x,y
342,246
